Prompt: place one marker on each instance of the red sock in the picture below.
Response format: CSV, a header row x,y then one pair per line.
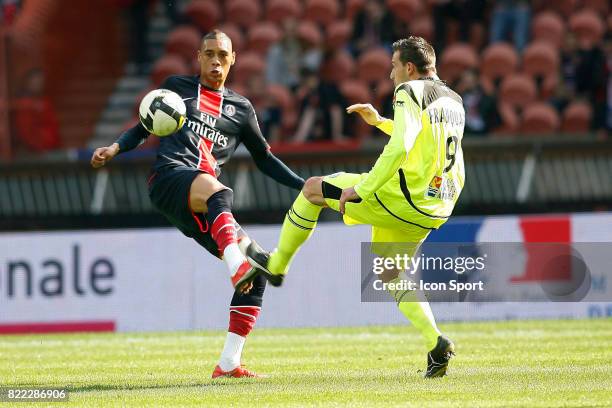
x,y
242,319
223,230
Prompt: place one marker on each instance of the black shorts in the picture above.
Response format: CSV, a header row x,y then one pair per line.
x,y
169,192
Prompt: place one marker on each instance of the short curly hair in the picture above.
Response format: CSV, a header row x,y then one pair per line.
x,y
418,51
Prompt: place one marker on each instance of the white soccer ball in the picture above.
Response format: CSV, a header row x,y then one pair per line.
x,y
162,112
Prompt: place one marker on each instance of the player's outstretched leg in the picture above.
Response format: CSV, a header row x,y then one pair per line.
x,y
244,310
300,222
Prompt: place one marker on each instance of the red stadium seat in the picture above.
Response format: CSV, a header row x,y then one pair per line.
x,y
510,119
548,26
309,32
244,13
353,7
540,59
278,10
577,118
203,13
322,11
338,33
235,34
374,64
184,41
404,10
601,7
281,95
499,60
247,65
457,58
384,89
518,90
263,35
166,66
339,67
587,26
540,118
423,27
355,91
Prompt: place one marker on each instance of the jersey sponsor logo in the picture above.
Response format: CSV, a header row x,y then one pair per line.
x,y
209,120
230,110
442,188
207,132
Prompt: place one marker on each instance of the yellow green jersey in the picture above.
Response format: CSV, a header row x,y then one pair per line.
x,y
420,173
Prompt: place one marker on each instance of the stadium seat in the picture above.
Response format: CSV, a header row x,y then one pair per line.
x,y
321,11
355,91
263,35
548,26
281,95
455,59
235,34
577,118
509,117
166,66
384,89
338,67
404,10
203,13
587,26
248,63
373,65
540,59
278,10
244,13
338,33
423,27
309,32
184,41
601,7
539,118
517,90
499,60
353,7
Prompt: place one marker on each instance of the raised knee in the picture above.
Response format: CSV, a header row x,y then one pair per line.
x,y
312,189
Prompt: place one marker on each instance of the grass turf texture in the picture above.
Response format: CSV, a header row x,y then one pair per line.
x,y
498,364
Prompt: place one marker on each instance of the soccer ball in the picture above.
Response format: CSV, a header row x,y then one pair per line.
x,y
162,112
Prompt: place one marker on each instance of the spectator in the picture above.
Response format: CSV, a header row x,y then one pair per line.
x,y
287,58
321,114
565,91
465,12
269,113
8,12
591,80
511,16
35,121
608,51
481,114
374,26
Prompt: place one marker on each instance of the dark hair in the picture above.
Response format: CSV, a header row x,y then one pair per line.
x,y
418,51
211,35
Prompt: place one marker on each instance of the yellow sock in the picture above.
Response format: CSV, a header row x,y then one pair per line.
x,y
419,313
299,223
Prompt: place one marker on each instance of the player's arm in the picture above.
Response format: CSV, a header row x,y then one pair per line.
x,y
265,161
406,126
130,139
371,116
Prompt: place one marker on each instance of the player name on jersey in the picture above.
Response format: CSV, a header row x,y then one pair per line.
x,y
450,116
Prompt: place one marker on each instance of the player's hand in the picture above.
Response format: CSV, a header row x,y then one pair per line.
x,y
348,194
102,155
367,113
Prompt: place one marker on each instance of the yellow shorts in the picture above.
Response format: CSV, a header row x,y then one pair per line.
x,y
386,227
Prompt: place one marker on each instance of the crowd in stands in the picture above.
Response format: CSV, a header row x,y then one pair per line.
x,y
523,67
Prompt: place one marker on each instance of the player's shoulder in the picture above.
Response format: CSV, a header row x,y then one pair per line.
x,y
177,80
229,95
426,91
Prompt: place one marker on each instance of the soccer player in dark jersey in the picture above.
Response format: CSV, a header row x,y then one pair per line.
x,y
183,184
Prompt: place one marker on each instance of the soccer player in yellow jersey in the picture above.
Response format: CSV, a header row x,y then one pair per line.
x,y
410,191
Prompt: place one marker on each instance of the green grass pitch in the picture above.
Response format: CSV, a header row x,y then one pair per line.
x,y
498,364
